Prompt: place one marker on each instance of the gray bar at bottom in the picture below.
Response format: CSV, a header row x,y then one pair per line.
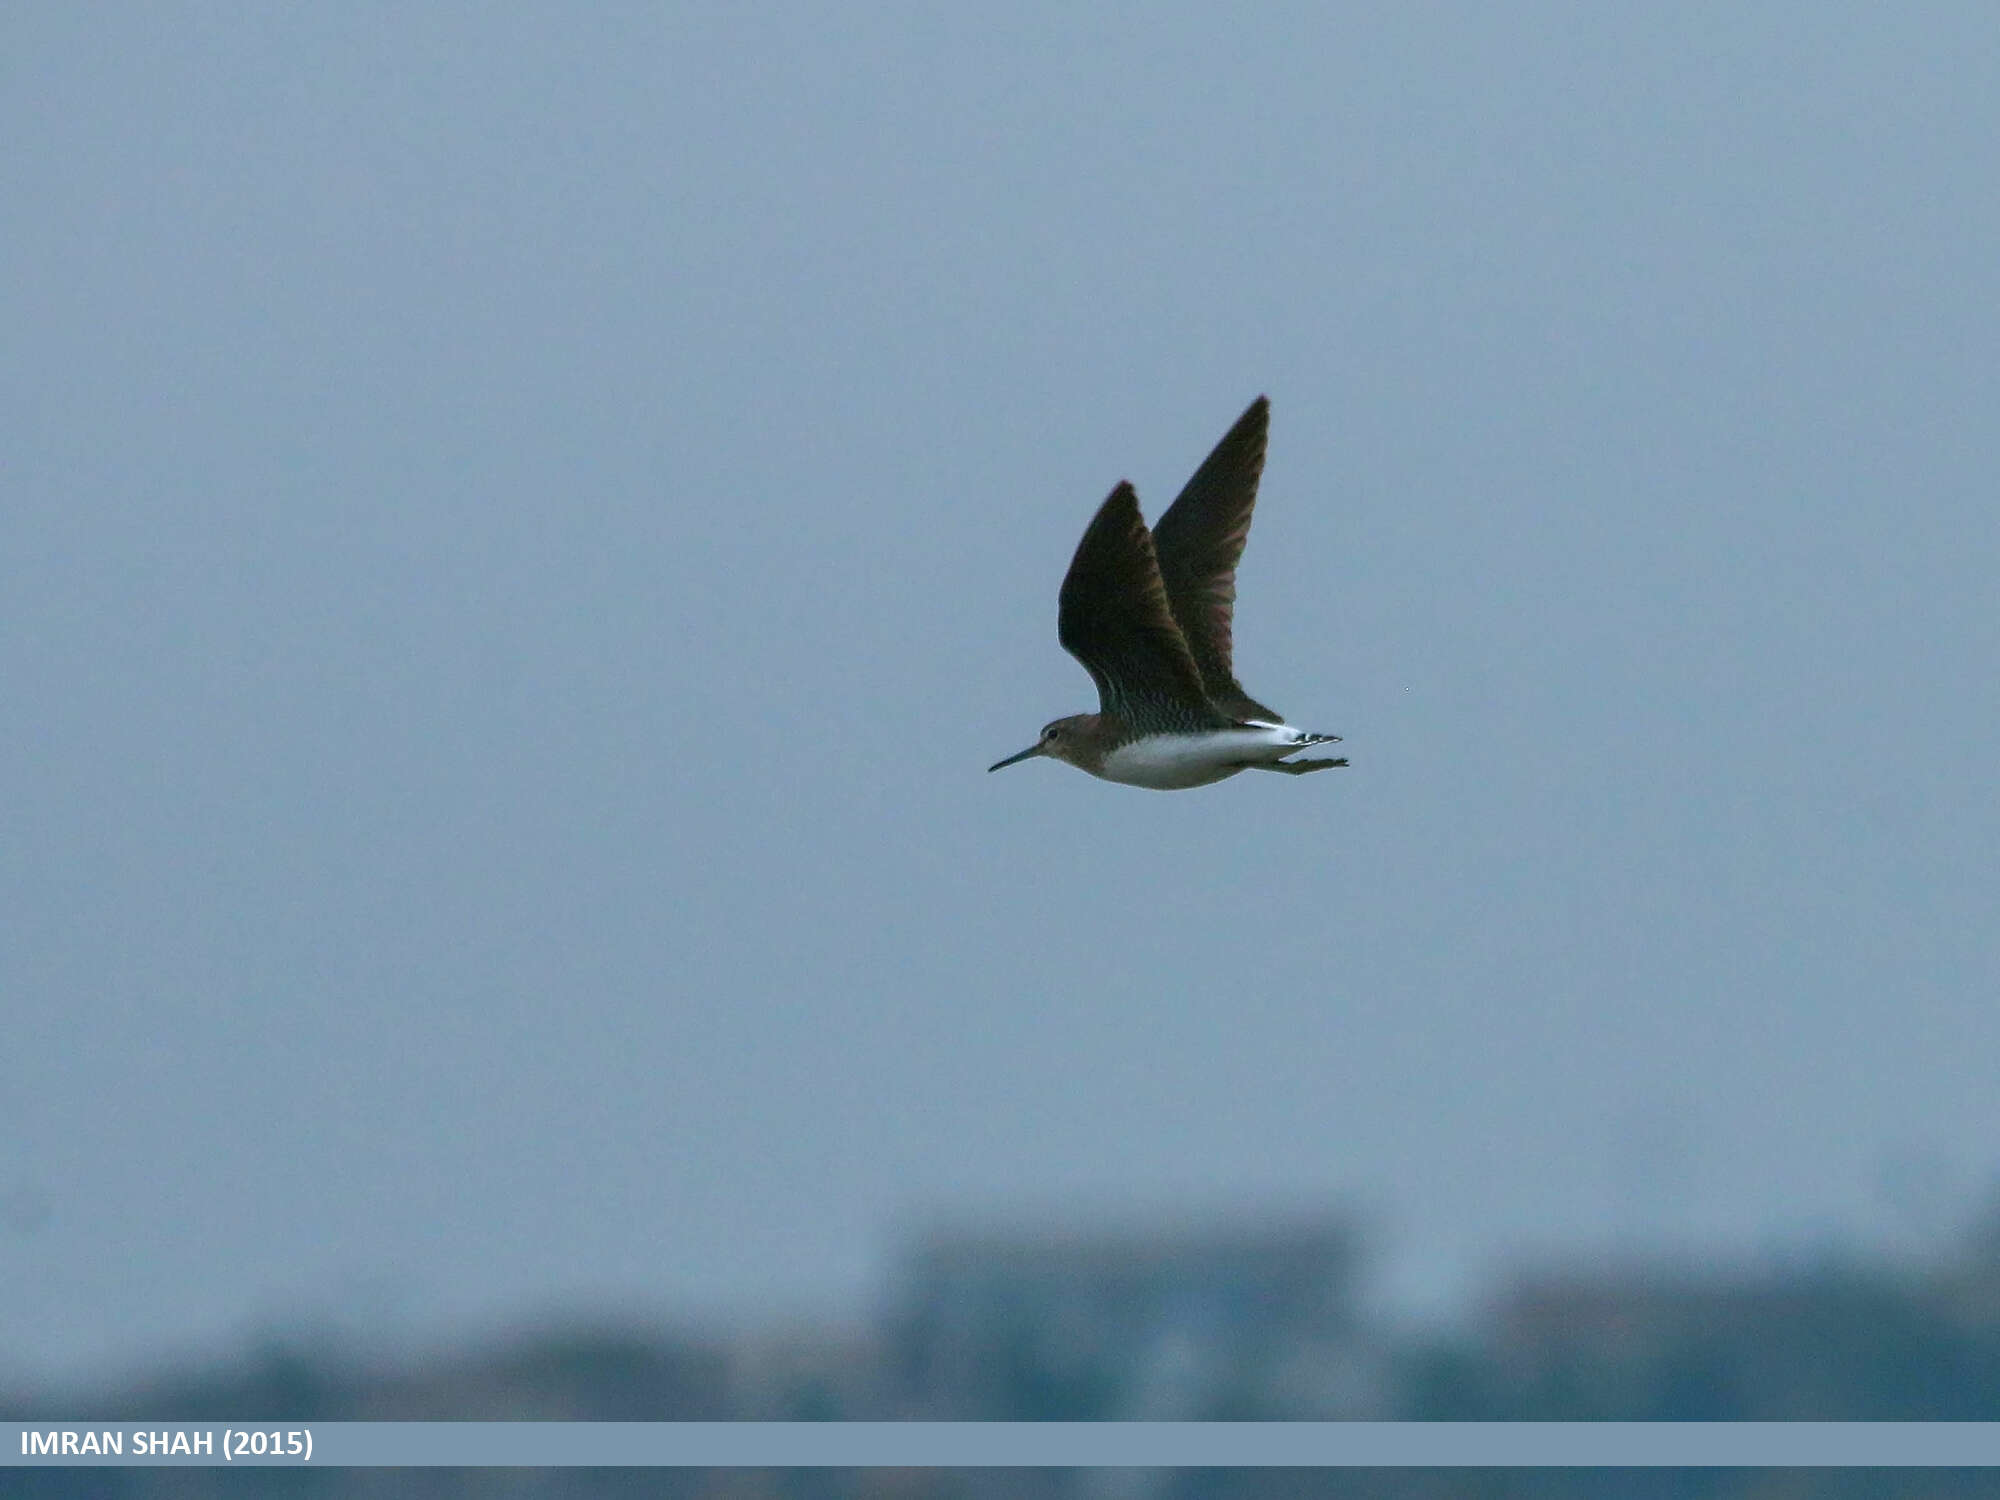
x,y
953,1445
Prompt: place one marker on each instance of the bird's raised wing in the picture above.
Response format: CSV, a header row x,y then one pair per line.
x,y
1199,542
1114,618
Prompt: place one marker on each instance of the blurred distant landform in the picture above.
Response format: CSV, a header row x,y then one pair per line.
x,y
1236,1320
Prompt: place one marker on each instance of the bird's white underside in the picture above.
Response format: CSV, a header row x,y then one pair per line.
x,y
1172,762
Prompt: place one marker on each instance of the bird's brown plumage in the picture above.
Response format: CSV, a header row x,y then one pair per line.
x,y
1198,543
1115,618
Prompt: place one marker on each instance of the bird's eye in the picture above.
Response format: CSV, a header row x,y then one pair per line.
x,y
1049,733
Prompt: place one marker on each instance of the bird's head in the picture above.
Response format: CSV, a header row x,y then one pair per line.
x,y
1067,739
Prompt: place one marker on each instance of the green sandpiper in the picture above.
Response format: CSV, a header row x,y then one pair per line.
x,y
1148,614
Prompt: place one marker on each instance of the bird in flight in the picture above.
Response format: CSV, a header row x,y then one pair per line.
x,y
1148,614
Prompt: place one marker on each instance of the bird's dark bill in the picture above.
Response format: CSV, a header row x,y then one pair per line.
x,y
1034,749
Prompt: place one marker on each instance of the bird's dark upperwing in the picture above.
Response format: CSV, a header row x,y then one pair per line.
x,y
1114,618
1199,542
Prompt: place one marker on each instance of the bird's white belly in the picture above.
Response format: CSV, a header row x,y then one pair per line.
x,y
1171,762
